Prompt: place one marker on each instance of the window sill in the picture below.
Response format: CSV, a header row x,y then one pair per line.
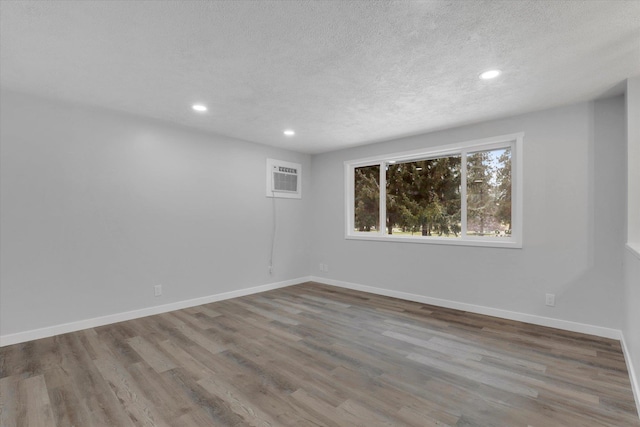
x,y
499,243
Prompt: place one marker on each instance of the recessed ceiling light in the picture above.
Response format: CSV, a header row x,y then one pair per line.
x,y
490,74
199,108
289,132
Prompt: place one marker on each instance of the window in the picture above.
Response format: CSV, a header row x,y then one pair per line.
x,y
465,194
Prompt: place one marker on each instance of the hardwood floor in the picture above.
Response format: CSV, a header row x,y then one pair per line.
x,y
315,355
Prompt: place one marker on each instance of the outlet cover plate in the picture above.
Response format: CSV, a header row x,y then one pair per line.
x,y
550,300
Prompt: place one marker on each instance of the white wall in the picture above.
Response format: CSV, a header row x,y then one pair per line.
x,y
631,329
98,207
574,200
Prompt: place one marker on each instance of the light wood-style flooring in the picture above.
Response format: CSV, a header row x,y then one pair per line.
x,y
315,355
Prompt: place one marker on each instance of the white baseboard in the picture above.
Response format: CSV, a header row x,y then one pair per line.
x,y
635,385
135,314
479,309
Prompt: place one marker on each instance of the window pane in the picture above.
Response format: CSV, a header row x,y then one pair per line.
x,y
423,197
489,193
367,199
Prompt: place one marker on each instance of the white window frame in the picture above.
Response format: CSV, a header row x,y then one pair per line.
x,y
513,141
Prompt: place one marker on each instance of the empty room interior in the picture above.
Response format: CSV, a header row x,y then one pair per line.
x,y
320,213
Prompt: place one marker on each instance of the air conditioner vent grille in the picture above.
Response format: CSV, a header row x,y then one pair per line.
x,y
284,179
285,182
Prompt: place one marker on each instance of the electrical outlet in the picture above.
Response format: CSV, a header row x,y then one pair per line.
x,y
550,300
326,268
157,290
270,269
321,267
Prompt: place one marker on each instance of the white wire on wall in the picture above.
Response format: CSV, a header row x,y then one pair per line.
x,y
273,233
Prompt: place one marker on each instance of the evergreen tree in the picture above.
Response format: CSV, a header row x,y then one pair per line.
x,y
503,212
480,194
367,198
424,196
399,212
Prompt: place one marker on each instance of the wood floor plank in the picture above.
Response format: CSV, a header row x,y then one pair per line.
x,y
151,355
67,409
202,339
128,393
316,355
251,414
39,413
92,390
9,400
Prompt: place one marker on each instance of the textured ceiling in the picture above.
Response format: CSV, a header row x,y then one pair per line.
x,y
339,73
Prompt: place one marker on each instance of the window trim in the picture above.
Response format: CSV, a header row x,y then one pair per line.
x,y
514,140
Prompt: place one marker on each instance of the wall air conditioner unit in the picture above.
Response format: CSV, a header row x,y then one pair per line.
x,y
284,179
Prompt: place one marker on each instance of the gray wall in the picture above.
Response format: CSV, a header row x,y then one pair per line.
x,y
98,207
574,204
631,329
